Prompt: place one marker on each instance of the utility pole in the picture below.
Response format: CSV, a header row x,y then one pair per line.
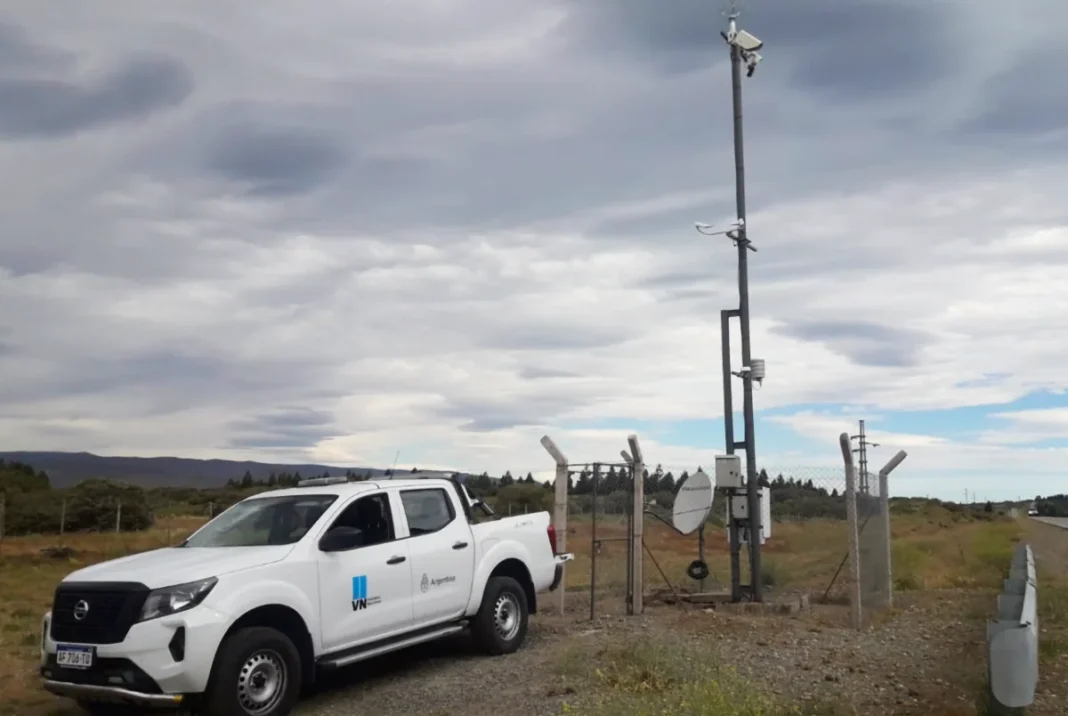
x,y
862,450
743,48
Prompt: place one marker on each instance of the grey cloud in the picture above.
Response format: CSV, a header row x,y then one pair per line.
x,y
1026,100
44,108
844,48
18,53
506,332
274,161
283,428
537,373
177,380
864,343
414,152
488,415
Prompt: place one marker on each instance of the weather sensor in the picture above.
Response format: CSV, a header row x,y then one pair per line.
x,y
710,230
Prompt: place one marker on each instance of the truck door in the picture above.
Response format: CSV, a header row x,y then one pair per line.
x,y
365,593
442,554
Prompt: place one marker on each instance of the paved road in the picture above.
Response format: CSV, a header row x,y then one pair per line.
x,y
1061,522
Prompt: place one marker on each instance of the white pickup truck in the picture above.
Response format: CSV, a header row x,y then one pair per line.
x,y
240,617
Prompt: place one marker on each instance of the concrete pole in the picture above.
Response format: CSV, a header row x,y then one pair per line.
x,y
856,616
884,499
559,507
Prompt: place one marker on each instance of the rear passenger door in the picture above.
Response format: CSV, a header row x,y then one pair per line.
x,y
441,551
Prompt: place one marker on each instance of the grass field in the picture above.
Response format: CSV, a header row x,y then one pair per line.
x,y
931,550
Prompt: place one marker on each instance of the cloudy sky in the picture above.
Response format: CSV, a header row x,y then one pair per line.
x,y
448,227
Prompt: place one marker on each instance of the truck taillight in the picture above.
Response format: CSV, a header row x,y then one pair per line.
x,y
551,531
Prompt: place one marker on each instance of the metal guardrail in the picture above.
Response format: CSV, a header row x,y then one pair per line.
x,y
1012,637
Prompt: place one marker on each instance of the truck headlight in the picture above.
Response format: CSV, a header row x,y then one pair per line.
x,y
171,600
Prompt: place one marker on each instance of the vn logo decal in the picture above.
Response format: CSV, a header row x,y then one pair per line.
x,y
360,600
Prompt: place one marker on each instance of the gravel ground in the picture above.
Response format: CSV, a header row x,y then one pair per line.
x,y
924,659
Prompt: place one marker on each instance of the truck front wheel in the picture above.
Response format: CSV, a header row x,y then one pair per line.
x,y
501,623
257,673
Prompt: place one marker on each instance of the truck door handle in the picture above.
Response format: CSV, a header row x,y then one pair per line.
x,y
395,560
459,545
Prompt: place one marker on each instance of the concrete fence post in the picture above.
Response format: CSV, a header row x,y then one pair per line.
x,y
559,507
884,505
856,616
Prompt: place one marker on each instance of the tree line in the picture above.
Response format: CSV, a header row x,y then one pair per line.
x,y
33,506
1052,506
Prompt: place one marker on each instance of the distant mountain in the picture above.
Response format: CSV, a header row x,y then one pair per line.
x,y
69,468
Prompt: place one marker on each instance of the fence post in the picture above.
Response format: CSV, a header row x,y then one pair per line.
x,y
559,508
118,516
3,517
854,539
593,542
637,584
63,518
884,507
884,499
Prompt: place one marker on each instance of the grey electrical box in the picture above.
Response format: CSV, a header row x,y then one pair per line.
x,y
739,505
728,472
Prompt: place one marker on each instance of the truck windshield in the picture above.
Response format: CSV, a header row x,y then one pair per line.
x,y
263,521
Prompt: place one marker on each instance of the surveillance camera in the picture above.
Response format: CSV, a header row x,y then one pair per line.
x,y
745,41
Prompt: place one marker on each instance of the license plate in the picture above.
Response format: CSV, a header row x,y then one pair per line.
x,y
74,657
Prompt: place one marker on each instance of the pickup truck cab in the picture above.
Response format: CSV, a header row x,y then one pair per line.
x,y
239,618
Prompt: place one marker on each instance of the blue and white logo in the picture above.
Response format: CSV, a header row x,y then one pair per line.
x,y
360,600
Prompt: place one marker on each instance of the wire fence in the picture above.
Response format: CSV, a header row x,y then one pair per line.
x,y
808,537
101,531
808,546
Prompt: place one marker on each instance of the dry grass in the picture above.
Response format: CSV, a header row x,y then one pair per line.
x,y
930,551
664,674
27,581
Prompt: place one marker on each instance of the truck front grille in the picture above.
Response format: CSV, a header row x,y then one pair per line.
x,y
96,612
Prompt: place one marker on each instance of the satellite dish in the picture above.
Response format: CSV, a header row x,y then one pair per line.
x,y
692,503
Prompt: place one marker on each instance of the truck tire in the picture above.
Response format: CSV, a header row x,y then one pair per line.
x,y
257,672
501,623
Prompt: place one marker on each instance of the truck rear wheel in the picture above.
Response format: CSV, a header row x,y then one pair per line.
x,y
501,623
257,673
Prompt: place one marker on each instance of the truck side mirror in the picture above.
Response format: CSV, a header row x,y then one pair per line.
x,y
341,539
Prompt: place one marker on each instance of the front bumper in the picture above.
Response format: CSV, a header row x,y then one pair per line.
x,y
558,574
112,695
147,667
